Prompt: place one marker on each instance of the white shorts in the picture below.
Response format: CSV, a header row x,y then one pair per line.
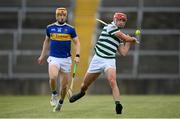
x,y
63,64
99,64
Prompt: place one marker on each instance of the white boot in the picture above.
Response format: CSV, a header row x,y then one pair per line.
x,y
57,108
54,100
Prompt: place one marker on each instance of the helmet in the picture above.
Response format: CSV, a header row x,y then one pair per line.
x,y
61,10
120,15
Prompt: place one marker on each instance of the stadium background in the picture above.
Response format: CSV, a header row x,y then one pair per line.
x,y
153,67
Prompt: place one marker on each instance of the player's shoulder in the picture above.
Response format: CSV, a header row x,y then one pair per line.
x,y
70,25
112,26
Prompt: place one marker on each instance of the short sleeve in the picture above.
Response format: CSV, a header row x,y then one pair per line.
x,y
73,33
47,32
112,29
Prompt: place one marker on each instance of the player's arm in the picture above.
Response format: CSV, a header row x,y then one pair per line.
x,y
126,38
124,48
77,49
44,51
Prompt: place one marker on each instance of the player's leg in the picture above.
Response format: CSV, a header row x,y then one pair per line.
x,y
111,77
65,66
64,84
53,75
93,72
63,89
88,79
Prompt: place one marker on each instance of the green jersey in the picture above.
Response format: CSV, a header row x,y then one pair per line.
x,y
108,43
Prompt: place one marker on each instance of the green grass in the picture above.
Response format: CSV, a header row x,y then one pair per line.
x,y
151,106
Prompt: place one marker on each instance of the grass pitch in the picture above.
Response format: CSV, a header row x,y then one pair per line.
x,y
146,106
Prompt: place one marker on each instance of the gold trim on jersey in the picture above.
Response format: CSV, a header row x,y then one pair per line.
x,y
60,36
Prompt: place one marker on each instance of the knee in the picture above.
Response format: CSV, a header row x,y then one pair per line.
x,y
53,77
112,83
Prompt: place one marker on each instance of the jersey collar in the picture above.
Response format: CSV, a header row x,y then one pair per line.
x,y
113,23
56,23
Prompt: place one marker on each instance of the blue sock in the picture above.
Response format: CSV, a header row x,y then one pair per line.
x,y
61,101
54,92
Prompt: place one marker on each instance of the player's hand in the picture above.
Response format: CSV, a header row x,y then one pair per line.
x,y
136,40
41,60
76,59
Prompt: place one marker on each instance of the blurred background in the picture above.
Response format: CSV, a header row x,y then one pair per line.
x,y
153,67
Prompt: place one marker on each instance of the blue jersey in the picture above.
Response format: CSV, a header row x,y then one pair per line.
x,y
60,39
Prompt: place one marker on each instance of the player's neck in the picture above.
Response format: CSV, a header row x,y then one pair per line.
x,y
61,23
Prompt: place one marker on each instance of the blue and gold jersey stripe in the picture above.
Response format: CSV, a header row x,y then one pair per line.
x,y
60,37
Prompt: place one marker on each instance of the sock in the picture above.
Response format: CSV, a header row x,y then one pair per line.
x,y
117,102
54,92
61,101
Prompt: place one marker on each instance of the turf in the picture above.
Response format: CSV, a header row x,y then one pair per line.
x,y
151,106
